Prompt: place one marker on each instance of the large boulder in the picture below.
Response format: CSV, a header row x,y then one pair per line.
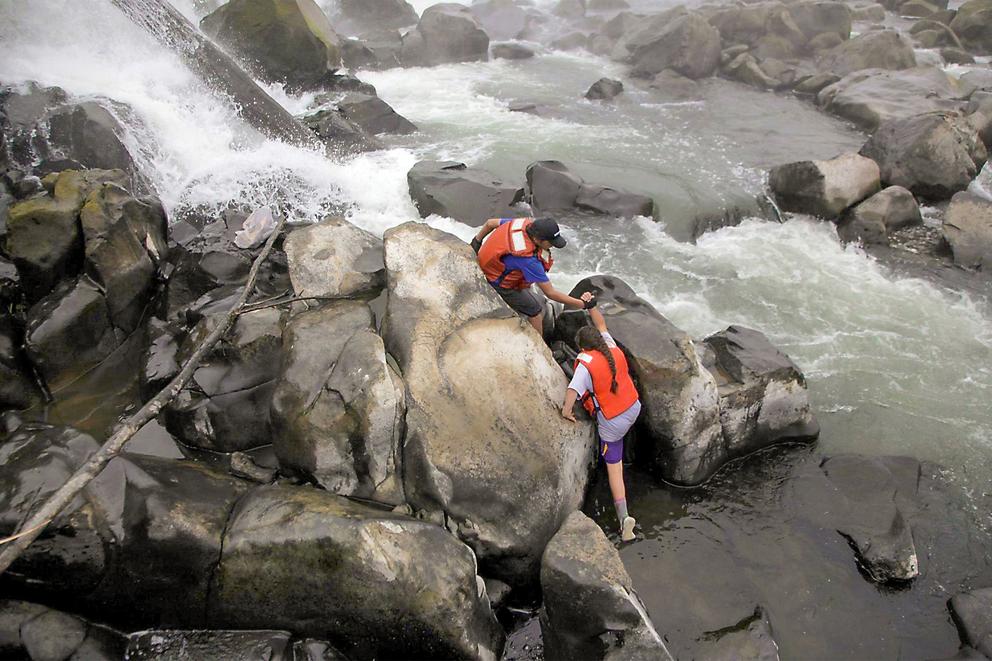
x,y
380,585
374,115
471,458
337,411
968,230
688,45
339,133
501,19
447,32
452,190
361,16
334,259
33,631
679,396
972,613
590,608
880,49
871,221
88,134
763,398
934,155
552,187
824,188
973,24
822,16
871,97
284,41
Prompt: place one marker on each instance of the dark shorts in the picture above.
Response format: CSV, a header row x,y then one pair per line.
x,y
523,301
612,453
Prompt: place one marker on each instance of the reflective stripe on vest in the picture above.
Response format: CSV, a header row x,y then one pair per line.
x,y
601,399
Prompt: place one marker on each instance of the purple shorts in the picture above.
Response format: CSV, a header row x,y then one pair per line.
x,y
612,453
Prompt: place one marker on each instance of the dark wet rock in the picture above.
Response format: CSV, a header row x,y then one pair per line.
x,y
89,135
379,49
512,52
334,259
321,565
213,644
604,89
679,395
340,133
550,187
687,44
23,110
69,331
530,108
571,41
934,155
27,187
751,638
973,23
361,16
824,188
334,84
285,41
452,190
374,115
33,631
447,32
498,592
590,608
972,613
17,388
871,97
968,230
953,55
871,221
501,19
243,466
10,283
675,85
885,49
225,405
763,397
463,447
745,68
338,406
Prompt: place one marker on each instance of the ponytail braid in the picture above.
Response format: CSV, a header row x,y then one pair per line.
x,y
588,338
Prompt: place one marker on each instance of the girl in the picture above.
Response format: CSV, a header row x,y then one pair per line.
x,y
603,383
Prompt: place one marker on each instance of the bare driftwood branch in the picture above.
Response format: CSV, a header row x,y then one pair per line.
x,y
35,525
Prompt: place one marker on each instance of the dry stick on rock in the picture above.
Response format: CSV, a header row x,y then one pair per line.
x,y
33,527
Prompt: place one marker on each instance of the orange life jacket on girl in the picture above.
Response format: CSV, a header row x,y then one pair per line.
x,y
609,404
510,239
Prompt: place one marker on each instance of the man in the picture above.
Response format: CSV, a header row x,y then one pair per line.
x,y
517,255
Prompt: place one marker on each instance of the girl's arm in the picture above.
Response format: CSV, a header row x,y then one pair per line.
x,y
566,408
597,319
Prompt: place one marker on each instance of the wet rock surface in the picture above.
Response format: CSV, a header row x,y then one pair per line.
x,y
36,632
447,32
972,613
604,89
374,115
452,190
552,187
886,211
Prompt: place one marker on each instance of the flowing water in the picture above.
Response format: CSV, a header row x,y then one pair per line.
x,y
895,365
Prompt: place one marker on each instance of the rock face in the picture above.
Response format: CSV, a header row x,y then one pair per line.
x,y
361,16
374,115
824,188
287,41
338,406
469,457
604,89
590,608
365,573
688,45
452,190
871,97
550,186
972,612
763,398
973,23
871,221
968,230
884,49
447,32
334,259
933,155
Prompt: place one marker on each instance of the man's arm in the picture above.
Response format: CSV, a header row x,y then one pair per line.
x,y
484,231
597,320
565,299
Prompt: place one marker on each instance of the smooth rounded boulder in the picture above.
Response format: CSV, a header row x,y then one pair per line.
x,y
604,89
453,190
824,188
552,187
967,229
486,448
871,221
361,16
447,32
882,49
973,23
334,259
687,44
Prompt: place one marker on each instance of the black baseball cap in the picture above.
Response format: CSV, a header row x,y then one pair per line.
x,y
547,229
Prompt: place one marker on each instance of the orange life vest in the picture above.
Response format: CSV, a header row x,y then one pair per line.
x,y
608,403
510,239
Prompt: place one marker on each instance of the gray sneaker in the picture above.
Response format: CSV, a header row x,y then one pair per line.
x,y
627,529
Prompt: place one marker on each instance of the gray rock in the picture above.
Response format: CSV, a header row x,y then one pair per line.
x,y
675,85
972,612
571,41
974,81
287,41
447,32
323,566
825,42
551,187
501,19
453,338
606,201
871,221
379,49
608,5
44,633
687,44
338,405
590,608
824,188
339,133
814,84
604,89
88,134
968,230
918,8
175,644
953,55
820,16
334,259
512,52
973,23
934,155
359,16
871,97
750,638
745,68
452,190
570,9
17,389
374,115
681,406
884,49
872,12
763,398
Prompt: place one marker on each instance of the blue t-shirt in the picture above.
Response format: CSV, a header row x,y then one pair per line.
x,y
530,266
